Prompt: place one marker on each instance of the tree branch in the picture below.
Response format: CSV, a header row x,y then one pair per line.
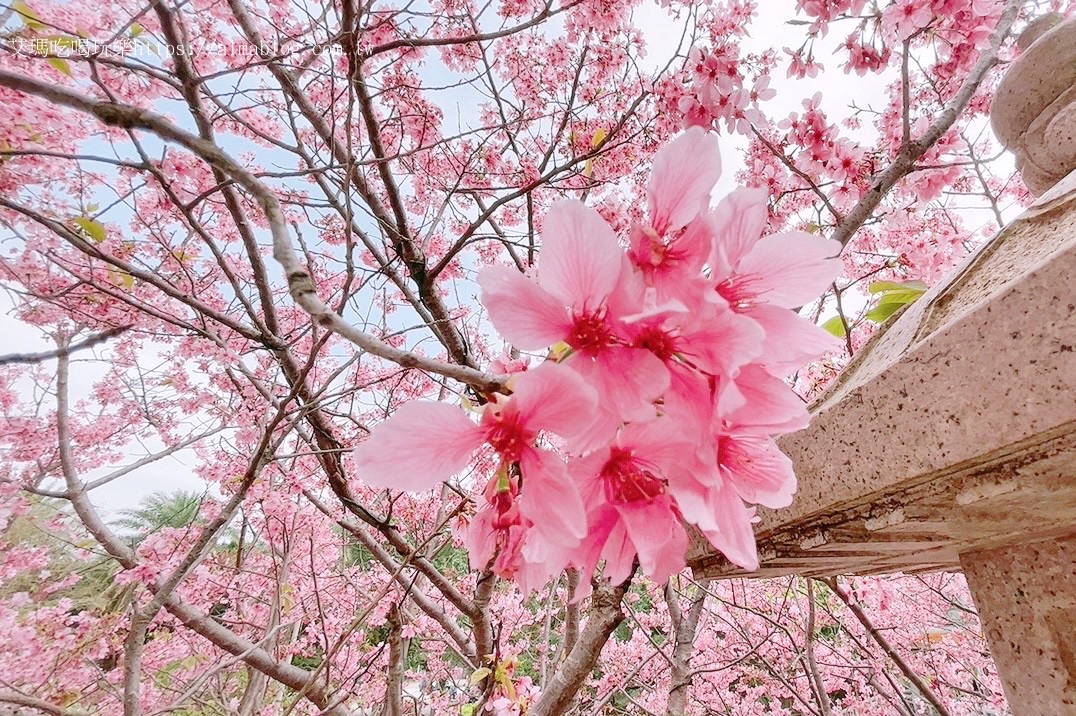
x,y
606,614
300,282
11,358
892,653
911,150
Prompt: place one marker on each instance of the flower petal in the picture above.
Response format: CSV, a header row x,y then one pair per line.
x,y
683,175
792,268
771,406
553,397
721,340
550,500
757,470
734,538
629,379
791,341
619,554
738,222
524,314
657,535
580,262
421,445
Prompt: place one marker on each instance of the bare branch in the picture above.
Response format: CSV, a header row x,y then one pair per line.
x,y
606,614
94,340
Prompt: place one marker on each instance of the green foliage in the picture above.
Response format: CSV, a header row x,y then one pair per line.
x,y
27,15
159,510
892,297
94,229
308,662
835,326
96,589
453,561
354,554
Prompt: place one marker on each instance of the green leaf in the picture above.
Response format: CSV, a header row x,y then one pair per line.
x,y
136,30
479,674
28,16
92,228
834,326
899,297
892,295
884,286
120,278
60,64
882,311
64,41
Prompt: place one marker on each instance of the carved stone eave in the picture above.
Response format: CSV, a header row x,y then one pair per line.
x,y
953,430
1034,109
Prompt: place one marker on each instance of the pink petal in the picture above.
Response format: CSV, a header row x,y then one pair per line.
x,y
481,538
695,244
757,470
421,445
661,441
738,223
791,341
683,175
553,397
734,538
602,428
793,268
690,485
770,407
602,520
629,296
689,401
581,260
585,472
550,500
619,554
628,379
657,535
542,561
524,314
722,340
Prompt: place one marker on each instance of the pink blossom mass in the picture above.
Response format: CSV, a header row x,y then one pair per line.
x,y
660,395
438,358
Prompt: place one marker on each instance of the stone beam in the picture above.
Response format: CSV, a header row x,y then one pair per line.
x,y
953,431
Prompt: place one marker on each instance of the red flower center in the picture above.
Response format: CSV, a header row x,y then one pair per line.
x,y
590,333
506,435
659,342
739,291
627,480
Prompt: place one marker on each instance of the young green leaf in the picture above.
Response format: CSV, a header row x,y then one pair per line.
x,y
92,228
60,64
834,326
28,16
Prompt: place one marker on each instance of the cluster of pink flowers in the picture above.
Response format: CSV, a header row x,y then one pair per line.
x,y
656,405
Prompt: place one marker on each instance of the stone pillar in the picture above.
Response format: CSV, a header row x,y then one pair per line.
x,y
1026,595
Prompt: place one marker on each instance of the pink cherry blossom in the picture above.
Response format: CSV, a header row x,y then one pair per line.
x,y
579,298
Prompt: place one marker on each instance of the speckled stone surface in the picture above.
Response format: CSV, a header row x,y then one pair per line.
x,y
1026,597
953,430
1034,109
